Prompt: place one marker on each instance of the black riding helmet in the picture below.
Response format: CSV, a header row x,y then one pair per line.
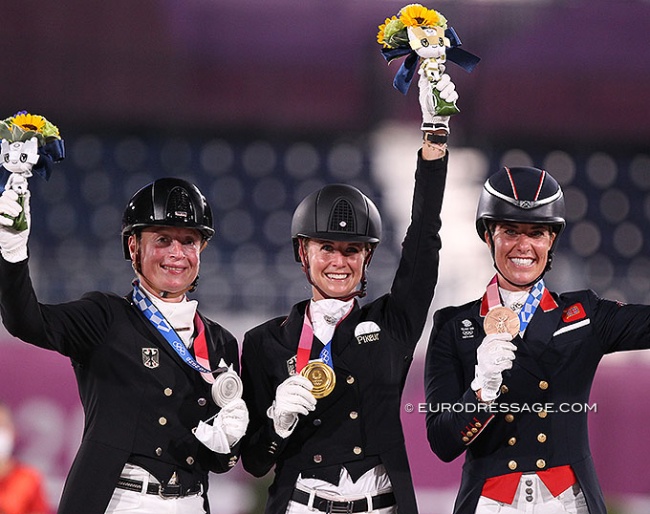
x,y
522,195
336,212
170,202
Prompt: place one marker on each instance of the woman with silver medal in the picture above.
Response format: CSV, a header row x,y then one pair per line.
x,y
146,363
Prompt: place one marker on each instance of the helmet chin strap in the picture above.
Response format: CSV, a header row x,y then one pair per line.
x,y
361,292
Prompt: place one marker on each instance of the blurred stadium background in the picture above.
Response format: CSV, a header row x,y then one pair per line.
x,y
260,103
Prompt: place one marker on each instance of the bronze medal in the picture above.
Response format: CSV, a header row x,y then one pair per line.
x,y
321,376
501,319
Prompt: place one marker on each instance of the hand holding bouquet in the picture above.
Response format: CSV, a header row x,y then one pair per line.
x,y
29,142
422,35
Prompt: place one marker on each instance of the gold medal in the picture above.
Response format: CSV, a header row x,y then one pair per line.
x,y
321,376
501,319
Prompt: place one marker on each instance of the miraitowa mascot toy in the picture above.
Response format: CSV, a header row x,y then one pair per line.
x,y
30,144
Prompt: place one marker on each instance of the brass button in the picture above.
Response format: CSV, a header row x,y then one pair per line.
x,y
168,391
202,402
469,434
543,385
512,441
354,415
190,460
465,439
509,418
357,450
541,463
512,465
350,379
474,430
159,451
478,424
318,458
542,414
504,389
162,420
541,438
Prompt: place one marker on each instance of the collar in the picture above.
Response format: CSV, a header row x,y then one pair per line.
x,y
180,315
329,310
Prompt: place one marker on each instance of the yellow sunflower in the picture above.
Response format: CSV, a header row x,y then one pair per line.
x,y
416,15
24,125
28,121
387,30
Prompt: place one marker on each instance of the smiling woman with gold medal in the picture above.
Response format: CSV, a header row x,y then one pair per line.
x,y
323,385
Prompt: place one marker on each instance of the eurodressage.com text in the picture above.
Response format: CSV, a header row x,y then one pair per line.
x,y
513,408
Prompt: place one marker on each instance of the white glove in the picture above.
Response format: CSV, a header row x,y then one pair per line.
x,y
447,92
13,244
233,419
292,397
494,355
227,429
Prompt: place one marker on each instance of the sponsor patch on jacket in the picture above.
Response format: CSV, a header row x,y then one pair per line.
x,y
574,313
367,332
466,329
151,358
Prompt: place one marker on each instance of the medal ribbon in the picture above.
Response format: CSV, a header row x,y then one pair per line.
x,y
201,349
156,318
529,308
307,339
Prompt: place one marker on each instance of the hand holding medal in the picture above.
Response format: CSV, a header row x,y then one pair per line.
x,y
29,142
495,354
422,36
293,398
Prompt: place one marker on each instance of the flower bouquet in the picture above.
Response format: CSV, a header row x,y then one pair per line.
x,y
29,142
422,35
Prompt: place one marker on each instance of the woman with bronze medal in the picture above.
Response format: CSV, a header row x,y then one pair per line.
x,y
507,362
323,385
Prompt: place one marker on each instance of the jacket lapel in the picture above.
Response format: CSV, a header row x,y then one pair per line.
x,y
534,351
343,338
291,327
